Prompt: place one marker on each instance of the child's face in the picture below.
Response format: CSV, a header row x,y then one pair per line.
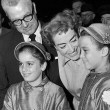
x,y
30,67
90,55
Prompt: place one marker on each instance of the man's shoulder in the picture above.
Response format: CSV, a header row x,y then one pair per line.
x,y
10,40
5,31
10,36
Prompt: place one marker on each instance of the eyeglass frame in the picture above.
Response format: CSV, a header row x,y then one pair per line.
x,y
31,15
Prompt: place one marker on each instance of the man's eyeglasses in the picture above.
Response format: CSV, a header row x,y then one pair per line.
x,y
27,18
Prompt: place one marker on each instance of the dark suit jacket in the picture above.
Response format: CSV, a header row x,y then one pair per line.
x,y
4,31
9,66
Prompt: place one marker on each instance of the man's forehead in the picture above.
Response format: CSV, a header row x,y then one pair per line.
x,y
87,12
106,15
76,4
20,5
17,11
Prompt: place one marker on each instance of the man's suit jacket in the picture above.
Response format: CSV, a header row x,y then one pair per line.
x,y
4,31
9,66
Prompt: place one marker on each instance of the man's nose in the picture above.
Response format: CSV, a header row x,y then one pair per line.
x,y
25,24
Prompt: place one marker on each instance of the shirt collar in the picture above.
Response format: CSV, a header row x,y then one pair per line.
x,y
27,87
37,33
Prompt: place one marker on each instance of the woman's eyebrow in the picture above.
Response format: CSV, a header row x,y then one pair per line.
x,y
73,37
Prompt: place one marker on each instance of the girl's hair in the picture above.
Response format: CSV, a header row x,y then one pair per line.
x,y
34,51
98,44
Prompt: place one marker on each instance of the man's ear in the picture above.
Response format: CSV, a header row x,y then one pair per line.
x,y
105,51
34,5
43,66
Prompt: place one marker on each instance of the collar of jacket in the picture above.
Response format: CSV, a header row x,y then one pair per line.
x,y
27,87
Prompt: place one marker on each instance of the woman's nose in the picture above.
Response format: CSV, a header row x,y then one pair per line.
x,y
70,47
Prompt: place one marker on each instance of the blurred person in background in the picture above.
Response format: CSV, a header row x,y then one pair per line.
x,y
104,14
76,9
76,6
87,14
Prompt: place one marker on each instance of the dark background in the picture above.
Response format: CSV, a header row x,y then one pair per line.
x,y
48,8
